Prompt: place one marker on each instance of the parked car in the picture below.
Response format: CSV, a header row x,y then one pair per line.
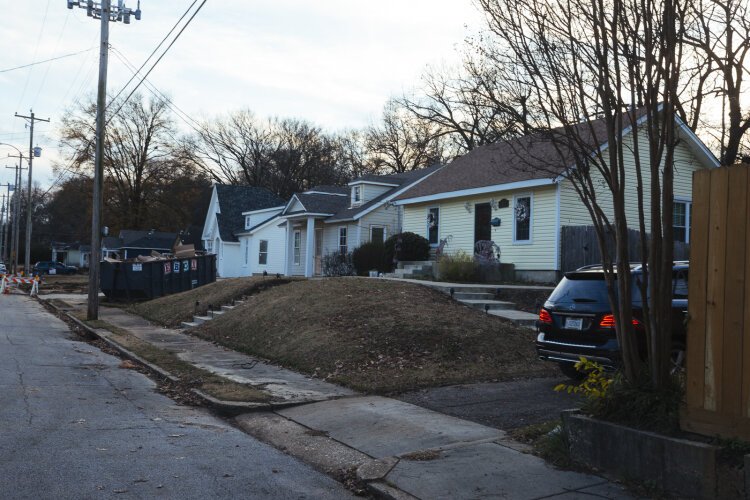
x,y
51,267
577,320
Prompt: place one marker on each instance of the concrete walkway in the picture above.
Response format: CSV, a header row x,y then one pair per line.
x,y
398,449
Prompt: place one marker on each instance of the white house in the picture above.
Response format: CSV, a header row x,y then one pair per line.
x,y
262,242
329,219
226,218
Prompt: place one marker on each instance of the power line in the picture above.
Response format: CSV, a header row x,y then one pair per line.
x,y
161,56
46,60
153,52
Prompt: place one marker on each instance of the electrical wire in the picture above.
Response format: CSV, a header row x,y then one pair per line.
x,y
46,60
153,52
160,57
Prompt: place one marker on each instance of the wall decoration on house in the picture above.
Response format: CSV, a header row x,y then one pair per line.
x,y
431,222
493,203
522,211
504,203
467,206
495,222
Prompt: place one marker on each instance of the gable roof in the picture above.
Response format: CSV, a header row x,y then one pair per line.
x,y
154,240
532,160
398,181
234,200
319,203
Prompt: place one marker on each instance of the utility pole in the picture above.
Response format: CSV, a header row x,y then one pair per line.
x,y
33,152
106,13
3,228
16,211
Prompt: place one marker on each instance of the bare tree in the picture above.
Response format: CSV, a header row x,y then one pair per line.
x,y
599,70
470,106
138,145
401,143
718,31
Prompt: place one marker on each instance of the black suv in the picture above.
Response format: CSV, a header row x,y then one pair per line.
x,y
576,320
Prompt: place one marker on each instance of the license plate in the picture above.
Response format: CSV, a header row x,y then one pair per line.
x,y
574,323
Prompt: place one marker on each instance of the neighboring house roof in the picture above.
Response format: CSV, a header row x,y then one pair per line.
x,y
234,200
329,189
111,242
542,157
399,181
319,203
154,240
259,225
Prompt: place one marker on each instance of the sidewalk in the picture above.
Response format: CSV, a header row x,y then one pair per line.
x,y
398,449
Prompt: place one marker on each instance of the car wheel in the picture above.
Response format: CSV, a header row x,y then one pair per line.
x,y
677,358
569,370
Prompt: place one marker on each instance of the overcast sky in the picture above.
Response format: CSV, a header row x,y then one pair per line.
x,y
332,62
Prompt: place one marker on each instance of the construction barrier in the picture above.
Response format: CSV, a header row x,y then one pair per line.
x,y
8,280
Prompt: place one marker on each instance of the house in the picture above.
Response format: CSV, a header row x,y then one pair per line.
x,y
225,219
513,193
135,243
329,219
71,254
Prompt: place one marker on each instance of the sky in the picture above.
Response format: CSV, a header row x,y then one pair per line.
x,y
332,62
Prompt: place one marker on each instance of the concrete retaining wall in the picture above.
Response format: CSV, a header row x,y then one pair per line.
x,y
684,468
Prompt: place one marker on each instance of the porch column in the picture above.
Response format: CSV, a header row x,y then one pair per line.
x,y
289,243
310,247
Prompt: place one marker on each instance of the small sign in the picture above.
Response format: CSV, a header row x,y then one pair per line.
x,y
52,270
194,283
167,268
137,267
185,266
194,264
176,266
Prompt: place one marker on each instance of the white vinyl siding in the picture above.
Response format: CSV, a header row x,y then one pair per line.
x,y
457,224
380,217
574,213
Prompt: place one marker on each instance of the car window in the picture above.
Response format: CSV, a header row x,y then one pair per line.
x,y
680,284
580,290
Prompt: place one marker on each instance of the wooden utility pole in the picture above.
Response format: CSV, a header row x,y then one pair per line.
x,y
33,152
104,11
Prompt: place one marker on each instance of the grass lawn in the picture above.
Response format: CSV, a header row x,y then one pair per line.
x,y
376,336
174,309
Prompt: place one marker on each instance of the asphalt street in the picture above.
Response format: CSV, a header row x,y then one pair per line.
x,y
74,424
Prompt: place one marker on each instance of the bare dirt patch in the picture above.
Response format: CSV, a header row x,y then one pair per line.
x,y
174,309
376,336
64,283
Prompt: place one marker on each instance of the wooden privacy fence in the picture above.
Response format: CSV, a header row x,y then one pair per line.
x,y
718,345
579,247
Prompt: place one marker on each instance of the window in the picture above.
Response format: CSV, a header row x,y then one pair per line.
x,y
247,222
297,247
356,194
342,240
522,208
247,250
433,221
209,246
377,233
263,253
681,220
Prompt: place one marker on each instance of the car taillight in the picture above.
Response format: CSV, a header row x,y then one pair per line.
x,y
545,316
608,321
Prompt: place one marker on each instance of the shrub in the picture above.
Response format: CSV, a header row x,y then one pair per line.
x,y
411,246
459,266
369,257
337,264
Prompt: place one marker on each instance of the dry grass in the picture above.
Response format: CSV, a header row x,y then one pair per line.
x,y
376,336
189,375
174,309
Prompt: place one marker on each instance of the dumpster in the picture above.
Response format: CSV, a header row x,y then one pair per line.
x,y
149,280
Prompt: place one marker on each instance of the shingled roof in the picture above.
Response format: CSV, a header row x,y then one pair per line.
x,y
543,155
318,203
233,200
398,180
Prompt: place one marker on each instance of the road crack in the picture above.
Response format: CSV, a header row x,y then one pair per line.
x,y
26,404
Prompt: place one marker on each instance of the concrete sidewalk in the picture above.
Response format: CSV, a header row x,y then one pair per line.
x,y
398,449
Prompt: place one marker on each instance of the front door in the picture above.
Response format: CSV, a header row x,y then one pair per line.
x,y
318,251
482,227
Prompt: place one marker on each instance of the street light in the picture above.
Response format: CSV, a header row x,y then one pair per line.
x,y
105,12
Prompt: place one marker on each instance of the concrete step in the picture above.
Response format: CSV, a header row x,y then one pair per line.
x,y
201,319
188,324
473,296
427,263
520,318
216,313
491,304
227,308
